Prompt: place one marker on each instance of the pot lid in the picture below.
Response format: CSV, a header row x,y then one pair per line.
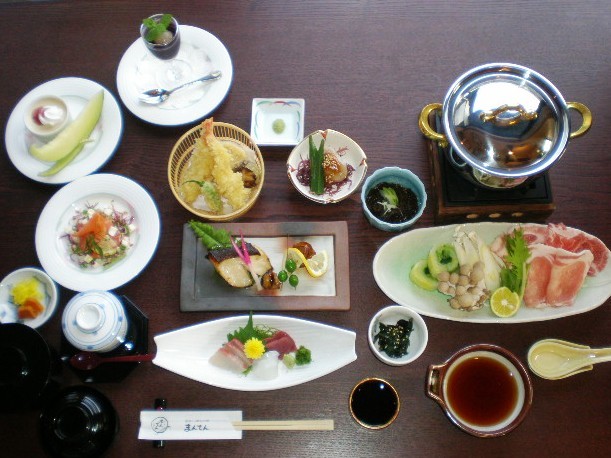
x,y
506,120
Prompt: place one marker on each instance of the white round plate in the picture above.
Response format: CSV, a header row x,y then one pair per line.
x,y
54,221
138,72
75,92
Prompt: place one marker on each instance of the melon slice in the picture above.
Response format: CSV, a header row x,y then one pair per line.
x,y
78,130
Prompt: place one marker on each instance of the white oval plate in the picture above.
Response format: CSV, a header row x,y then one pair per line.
x,y
205,53
75,92
393,261
52,249
349,152
186,352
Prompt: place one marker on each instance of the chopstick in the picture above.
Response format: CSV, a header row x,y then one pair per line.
x,y
284,425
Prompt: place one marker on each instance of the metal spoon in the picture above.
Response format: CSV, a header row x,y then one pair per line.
x,y
156,96
555,359
87,361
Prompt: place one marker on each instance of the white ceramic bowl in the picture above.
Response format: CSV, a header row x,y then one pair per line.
x,y
8,310
417,339
57,115
348,151
95,321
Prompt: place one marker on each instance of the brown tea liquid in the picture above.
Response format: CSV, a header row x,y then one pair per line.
x,y
482,391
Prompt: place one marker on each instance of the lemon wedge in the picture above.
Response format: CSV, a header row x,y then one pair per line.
x,y
504,302
316,266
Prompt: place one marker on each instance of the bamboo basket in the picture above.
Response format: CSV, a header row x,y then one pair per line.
x,y
181,155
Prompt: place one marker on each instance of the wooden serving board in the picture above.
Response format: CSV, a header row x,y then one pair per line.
x,y
203,289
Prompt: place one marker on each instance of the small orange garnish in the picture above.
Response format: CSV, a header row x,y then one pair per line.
x,y
31,308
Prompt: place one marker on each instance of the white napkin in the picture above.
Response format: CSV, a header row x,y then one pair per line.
x,y
189,424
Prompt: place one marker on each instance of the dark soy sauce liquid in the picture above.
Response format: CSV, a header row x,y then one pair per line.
x,y
374,403
482,391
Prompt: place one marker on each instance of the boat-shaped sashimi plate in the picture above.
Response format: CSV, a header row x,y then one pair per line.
x,y
188,352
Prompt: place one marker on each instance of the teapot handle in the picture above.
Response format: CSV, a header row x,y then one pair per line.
x,y
426,129
586,116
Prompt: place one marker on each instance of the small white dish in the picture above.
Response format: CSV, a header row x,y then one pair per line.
x,y
46,117
104,189
418,338
187,352
95,321
138,72
348,151
8,310
277,122
75,92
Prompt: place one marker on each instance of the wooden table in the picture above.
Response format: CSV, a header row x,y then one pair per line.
x,y
366,69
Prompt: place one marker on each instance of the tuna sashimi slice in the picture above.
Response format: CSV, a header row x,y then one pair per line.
x,y
280,342
555,276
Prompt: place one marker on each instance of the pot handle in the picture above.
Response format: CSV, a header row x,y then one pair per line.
x,y
433,385
586,115
426,129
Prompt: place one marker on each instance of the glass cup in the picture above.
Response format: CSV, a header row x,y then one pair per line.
x,y
167,48
170,70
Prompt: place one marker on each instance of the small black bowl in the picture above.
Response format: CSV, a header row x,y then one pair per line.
x,y
27,367
78,422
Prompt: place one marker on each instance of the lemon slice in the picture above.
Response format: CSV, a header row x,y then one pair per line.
x,y
504,302
316,266
297,256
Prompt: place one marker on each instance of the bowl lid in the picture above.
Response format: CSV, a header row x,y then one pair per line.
x,y
506,120
93,319
25,366
78,421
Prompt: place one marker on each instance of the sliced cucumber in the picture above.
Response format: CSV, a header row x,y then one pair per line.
x,y
421,276
442,258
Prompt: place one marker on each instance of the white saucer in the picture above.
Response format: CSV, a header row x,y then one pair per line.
x,y
54,221
75,92
205,53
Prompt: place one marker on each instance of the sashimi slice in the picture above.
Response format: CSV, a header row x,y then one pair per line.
x,y
280,342
231,357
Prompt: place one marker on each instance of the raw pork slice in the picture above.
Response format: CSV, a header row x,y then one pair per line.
x,y
575,240
555,275
533,233
280,342
559,236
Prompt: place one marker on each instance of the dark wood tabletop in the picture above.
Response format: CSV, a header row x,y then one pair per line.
x,y
366,69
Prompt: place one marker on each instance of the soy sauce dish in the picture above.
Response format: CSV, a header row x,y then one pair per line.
x,y
374,403
397,335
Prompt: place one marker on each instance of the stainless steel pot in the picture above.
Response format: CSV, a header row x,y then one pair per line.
x,y
503,124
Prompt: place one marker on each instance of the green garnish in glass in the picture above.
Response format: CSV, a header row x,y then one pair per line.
x,y
156,28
